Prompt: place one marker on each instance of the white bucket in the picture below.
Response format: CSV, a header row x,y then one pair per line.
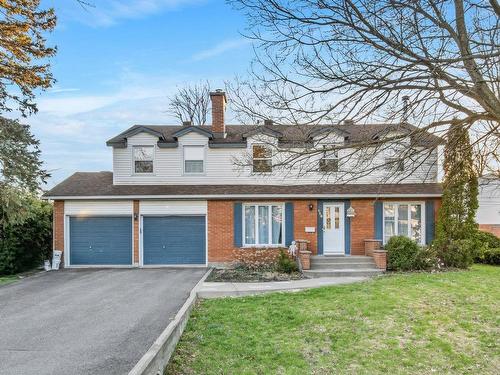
x,y
46,265
56,259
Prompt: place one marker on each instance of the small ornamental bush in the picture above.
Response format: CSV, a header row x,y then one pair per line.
x,y
457,253
401,253
255,259
286,264
404,254
489,256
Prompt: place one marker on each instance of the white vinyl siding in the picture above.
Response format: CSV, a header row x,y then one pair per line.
x,y
162,207
97,208
221,167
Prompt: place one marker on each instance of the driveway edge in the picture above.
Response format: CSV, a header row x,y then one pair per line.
x,y
153,362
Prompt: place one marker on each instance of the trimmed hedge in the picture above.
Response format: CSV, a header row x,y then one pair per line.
x,y
404,254
487,248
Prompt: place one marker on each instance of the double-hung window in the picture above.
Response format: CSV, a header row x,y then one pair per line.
x,y
143,159
262,159
329,161
263,225
403,219
194,159
392,161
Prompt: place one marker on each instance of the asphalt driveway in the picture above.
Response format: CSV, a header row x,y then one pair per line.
x,y
87,321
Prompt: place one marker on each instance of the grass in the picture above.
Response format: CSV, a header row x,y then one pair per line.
x,y
421,323
7,279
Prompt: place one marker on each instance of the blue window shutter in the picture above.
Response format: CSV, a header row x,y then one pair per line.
x,y
347,228
379,220
238,224
429,221
320,227
288,223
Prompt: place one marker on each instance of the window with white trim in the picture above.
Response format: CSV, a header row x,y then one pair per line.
x,y
194,159
403,219
263,225
262,159
143,159
392,161
329,161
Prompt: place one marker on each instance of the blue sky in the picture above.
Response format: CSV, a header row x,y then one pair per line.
x,y
118,62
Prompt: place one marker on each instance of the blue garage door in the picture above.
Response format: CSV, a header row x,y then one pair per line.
x,y
174,240
100,240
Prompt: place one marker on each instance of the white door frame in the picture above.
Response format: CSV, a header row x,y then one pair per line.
x,y
333,238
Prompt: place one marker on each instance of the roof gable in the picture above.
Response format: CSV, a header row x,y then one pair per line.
x,y
121,140
189,129
263,130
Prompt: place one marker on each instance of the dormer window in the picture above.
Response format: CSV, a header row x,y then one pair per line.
x,y
392,161
329,161
194,159
262,159
143,159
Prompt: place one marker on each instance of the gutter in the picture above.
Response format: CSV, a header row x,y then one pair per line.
x,y
238,196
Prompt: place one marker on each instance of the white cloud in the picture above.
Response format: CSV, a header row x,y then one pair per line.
x,y
111,12
73,128
221,48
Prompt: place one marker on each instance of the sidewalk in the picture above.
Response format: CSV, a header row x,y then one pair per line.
x,y
218,289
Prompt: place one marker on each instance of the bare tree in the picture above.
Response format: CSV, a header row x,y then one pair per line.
x,y
330,61
191,103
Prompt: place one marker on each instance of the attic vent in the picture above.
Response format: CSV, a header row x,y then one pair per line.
x,y
348,122
268,122
186,123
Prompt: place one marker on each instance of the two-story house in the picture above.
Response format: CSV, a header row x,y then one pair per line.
x,y
177,195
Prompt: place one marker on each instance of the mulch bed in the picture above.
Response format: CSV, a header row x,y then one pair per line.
x,y
241,275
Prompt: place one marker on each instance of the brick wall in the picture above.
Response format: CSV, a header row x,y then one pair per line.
x,y
58,226
136,232
362,225
221,228
492,228
303,217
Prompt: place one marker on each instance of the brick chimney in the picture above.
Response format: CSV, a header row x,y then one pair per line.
x,y
219,100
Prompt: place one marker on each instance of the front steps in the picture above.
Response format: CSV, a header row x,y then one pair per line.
x,y
342,266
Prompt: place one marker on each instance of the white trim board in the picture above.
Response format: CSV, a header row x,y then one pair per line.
x,y
241,196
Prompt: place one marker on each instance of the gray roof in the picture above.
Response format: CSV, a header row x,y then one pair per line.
x,y
288,135
100,184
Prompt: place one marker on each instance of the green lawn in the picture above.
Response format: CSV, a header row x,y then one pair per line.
x,y
445,323
7,279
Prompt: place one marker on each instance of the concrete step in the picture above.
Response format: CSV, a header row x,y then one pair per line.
x,y
353,272
341,259
342,266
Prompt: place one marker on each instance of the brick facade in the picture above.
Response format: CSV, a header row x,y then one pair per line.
x,y
362,225
492,228
58,226
304,217
221,228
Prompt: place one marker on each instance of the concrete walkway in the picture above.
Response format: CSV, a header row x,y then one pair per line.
x,y
218,289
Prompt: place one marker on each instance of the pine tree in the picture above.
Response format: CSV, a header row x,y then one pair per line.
x,y
456,226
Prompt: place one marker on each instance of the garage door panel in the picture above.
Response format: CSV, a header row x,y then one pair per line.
x,y
174,240
100,240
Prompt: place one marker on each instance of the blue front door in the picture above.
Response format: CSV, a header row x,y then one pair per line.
x,y
174,240
100,241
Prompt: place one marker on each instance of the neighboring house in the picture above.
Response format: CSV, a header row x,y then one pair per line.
x,y
488,213
178,196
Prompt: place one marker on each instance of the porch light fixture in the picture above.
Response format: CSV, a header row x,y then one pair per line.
x,y
136,216
350,212
311,206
